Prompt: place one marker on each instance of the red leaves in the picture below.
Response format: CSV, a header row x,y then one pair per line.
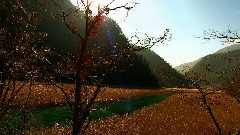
x,y
72,26
94,25
84,65
88,61
85,73
72,66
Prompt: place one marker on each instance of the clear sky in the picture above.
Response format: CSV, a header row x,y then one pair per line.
x,y
185,18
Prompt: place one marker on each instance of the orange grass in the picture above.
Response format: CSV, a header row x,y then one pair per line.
x,y
42,94
182,113
179,114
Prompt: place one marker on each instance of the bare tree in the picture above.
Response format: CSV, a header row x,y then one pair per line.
x,y
195,79
90,59
21,53
230,37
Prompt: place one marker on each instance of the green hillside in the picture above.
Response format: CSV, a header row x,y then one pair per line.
x,y
110,39
168,75
183,68
215,68
218,66
140,69
229,48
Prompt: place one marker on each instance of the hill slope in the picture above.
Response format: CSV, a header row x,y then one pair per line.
x,y
218,66
162,69
186,67
141,73
229,48
109,37
183,68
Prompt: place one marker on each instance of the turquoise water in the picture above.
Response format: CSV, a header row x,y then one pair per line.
x,y
47,117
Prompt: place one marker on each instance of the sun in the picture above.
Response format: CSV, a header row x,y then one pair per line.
x,y
94,5
117,15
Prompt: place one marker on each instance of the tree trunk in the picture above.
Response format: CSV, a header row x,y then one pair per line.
x,y
77,107
209,109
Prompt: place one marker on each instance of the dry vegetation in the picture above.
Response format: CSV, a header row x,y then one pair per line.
x,y
179,114
44,94
182,113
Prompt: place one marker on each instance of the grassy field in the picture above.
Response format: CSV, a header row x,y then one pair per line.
x,y
48,116
47,95
179,114
133,111
182,113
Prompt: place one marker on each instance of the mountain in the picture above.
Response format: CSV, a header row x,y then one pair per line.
x,y
223,66
135,72
145,65
229,48
183,68
168,75
219,66
109,40
140,69
186,67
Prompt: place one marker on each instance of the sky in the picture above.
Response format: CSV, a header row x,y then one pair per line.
x,y
185,18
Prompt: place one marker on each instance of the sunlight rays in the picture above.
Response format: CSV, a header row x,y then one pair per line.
x,y
118,15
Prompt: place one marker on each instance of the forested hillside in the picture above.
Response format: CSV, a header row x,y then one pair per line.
x,y
183,68
168,75
133,72
141,69
218,66
229,48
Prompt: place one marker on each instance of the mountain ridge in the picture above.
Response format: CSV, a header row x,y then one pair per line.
x,y
217,67
186,67
228,48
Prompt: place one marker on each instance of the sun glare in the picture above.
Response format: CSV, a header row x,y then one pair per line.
x,y
118,15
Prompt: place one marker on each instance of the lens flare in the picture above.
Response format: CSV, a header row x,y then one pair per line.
x,y
113,52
